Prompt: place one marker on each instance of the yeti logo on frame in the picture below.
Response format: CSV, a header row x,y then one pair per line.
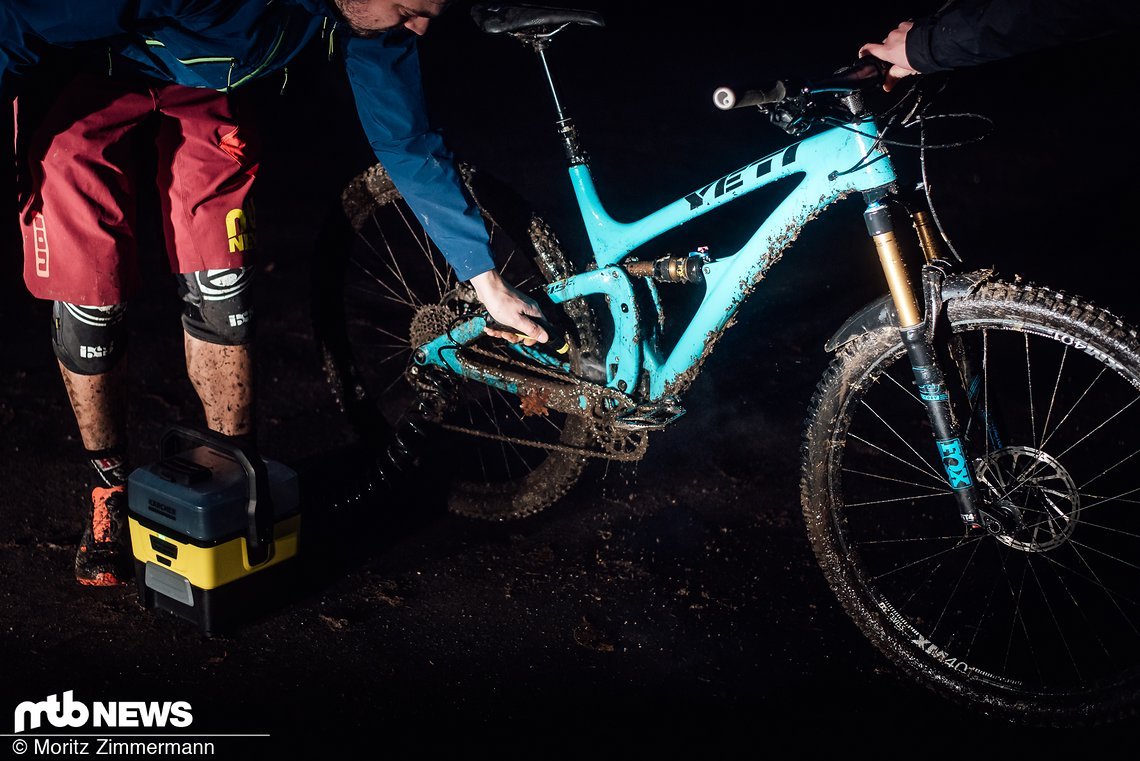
x,y
954,461
239,229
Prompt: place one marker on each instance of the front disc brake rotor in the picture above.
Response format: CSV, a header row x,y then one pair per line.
x,y
1037,491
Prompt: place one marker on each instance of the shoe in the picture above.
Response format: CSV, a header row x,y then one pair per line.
x,y
103,559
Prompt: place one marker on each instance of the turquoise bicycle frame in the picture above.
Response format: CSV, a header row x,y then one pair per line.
x,y
833,164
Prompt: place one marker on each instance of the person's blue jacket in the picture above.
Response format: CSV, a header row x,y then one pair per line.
x,y
223,44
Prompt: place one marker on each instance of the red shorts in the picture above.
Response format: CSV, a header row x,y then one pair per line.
x,y
79,218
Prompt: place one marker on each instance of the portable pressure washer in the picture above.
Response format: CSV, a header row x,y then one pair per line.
x,y
216,533
213,530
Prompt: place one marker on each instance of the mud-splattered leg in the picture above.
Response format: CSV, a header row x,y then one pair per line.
x,y
103,557
223,378
99,405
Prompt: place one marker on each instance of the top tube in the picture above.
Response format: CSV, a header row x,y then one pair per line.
x,y
834,163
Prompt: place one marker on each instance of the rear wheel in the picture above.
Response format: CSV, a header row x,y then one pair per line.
x,y
386,288
1040,622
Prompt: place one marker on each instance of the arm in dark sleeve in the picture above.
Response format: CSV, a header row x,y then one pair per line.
x,y
385,76
973,32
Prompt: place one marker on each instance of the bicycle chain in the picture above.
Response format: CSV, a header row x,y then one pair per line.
x,y
613,445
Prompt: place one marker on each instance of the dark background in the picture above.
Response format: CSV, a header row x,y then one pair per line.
x,y
672,606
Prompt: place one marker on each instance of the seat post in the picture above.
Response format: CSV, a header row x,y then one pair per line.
x,y
565,125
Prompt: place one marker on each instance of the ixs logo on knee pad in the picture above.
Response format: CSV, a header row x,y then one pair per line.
x,y
68,712
95,352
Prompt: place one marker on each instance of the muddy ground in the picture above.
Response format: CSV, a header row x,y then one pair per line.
x,y
671,606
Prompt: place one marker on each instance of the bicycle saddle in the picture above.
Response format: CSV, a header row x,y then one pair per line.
x,y
496,19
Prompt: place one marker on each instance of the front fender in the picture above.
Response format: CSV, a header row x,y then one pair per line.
x,y
880,313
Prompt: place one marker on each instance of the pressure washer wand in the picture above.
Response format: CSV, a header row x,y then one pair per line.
x,y
558,342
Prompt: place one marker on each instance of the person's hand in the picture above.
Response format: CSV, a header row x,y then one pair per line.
x,y
508,306
893,51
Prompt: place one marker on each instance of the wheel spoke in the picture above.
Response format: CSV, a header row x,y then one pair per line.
x,y
421,237
1053,616
896,480
394,295
1045,611
926,466
925,559
1053,397
1081,398
392,264
1110,468
907,498
957,585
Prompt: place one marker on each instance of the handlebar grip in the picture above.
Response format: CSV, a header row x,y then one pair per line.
x,y
725,98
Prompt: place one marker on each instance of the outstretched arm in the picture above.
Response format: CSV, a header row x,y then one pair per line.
x,y
385,77
972,32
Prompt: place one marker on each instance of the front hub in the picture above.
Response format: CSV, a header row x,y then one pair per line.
x,y
1033,499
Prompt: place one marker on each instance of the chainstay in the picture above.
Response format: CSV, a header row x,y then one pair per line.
x,y
594,393
612,445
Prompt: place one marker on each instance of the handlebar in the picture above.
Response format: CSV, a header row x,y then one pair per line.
x,y
864,73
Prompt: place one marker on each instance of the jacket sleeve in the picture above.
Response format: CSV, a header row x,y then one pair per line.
x,y
972,32
385,76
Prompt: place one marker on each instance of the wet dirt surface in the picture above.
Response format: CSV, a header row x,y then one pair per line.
x,y
673,606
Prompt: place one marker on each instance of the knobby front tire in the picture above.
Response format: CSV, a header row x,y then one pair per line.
x,y
1041,626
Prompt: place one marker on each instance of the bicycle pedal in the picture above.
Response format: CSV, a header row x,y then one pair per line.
x,y
649,417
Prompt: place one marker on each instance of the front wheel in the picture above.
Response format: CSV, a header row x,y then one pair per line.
x,y
1041,624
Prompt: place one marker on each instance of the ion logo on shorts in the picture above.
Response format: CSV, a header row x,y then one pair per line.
x,y
39,238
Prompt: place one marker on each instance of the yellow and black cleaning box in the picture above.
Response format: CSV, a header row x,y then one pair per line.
x,y
212,528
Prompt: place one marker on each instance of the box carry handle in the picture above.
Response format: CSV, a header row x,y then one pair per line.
x,y
259,507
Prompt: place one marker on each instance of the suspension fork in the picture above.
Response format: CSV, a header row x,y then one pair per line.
x,y
966,357
928,374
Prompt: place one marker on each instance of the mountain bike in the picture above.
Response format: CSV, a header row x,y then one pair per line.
x,y
969,480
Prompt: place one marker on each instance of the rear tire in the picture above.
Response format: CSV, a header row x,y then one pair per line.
x,y
384,287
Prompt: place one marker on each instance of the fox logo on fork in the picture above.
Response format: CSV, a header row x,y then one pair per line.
x,y
954,461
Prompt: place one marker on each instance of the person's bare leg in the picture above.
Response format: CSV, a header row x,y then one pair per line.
x,y
98,402
223,378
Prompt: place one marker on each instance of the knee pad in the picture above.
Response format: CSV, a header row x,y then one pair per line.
x,y
88,340
217,306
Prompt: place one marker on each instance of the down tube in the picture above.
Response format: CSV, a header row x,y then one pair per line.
x,y
730,279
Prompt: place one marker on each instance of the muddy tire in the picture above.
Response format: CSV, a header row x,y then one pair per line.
x,y
382,286
1042,626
